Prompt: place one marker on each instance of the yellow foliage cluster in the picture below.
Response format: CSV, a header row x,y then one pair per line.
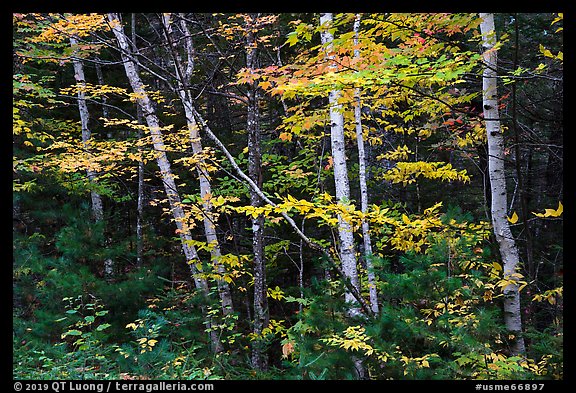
x,y
408,172
80,25
91,90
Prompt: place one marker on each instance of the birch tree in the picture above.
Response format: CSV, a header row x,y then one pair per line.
x,y
140,198
362,179
347,250
163,163
97,206
183,75
502,232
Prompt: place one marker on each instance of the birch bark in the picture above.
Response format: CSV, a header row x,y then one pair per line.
x,y
345,234
165,169
183,77
97,206
363,187
502,232
140,203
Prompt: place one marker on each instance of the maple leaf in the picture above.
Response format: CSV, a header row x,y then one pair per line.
x,y
265,84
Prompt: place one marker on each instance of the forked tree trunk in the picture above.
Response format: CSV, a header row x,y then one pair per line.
x,y
165,170
345,235
97,206
502,232
183,76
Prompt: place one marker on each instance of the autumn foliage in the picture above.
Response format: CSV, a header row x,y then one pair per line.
x,y
219,83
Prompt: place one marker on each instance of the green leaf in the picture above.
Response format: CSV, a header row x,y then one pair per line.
x,y
89,318
72,332
292,38
71,312
102,327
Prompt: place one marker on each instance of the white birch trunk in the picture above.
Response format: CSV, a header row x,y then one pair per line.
x,y
205,187
97,206
345,234
502,232
158,142
140,205
165,170
363,187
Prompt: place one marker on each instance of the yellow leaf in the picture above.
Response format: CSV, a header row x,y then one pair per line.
x,y
425,363
513,219
551,212
497,266
405,219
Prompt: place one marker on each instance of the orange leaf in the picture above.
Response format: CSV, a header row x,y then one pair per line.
x,y
287,349
265,84
285,136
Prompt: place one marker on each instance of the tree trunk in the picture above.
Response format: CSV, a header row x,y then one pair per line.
x,y
97,206
164,165
502,232
140,205
183,77
261,317
363,187
345,234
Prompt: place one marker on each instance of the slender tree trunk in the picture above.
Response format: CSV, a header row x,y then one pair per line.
x,y
164,165
140,203
261,317
183,77
345,234
97,206
506,243
363,187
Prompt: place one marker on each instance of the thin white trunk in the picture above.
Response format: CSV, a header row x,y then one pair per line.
x,y
345,234
165,170
506,243
205,187
363,187
97,206
140,206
